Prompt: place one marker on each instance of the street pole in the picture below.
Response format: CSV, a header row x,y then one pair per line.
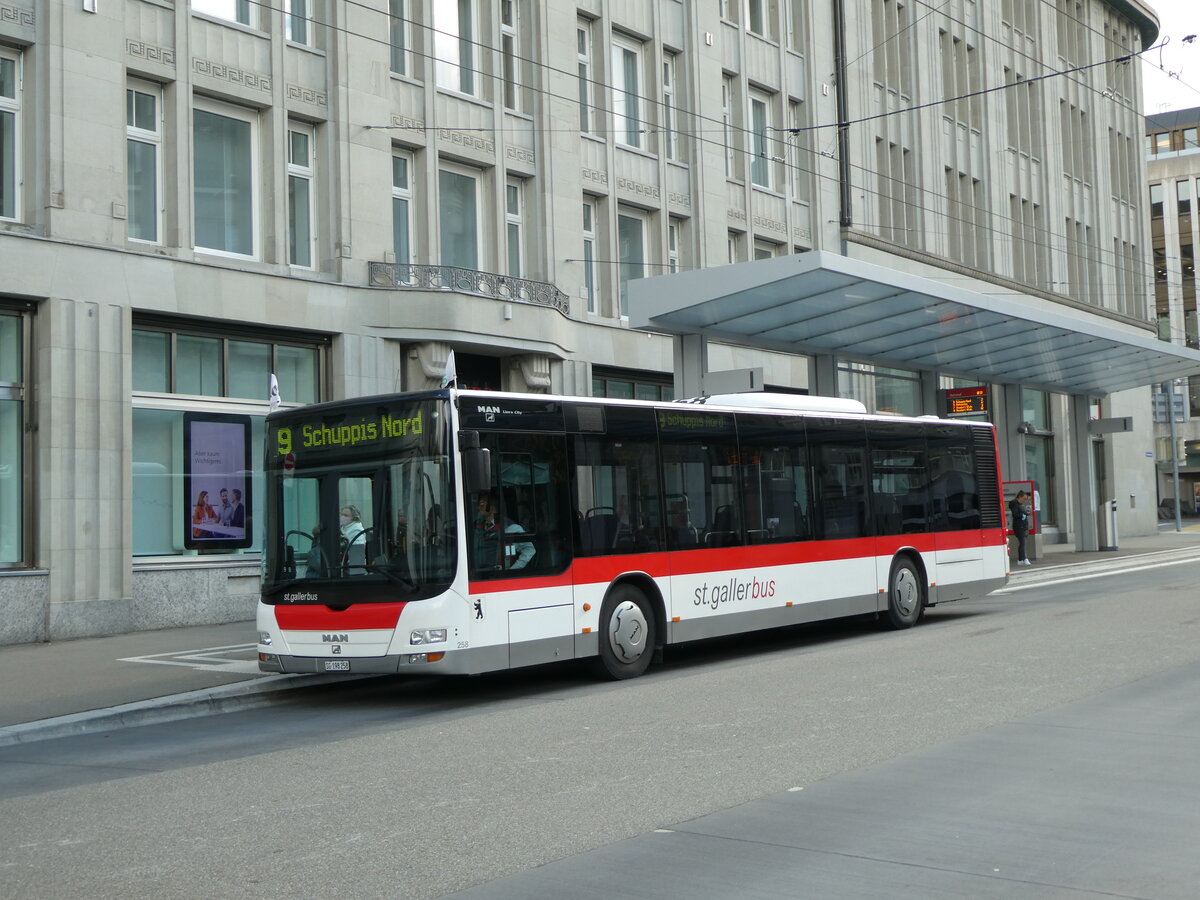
x,y
1174,451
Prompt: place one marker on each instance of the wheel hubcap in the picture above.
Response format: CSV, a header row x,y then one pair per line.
x,y
906,592
627,632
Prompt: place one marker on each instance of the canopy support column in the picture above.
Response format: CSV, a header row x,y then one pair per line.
x,y
1084,480
691,365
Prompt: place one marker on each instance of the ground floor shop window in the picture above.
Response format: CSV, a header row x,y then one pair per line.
x,y
623,384
13,437
192,493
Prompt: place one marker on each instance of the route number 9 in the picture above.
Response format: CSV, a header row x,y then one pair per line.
x,y
283,441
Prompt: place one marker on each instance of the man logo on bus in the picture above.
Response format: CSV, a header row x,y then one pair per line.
x,y
335,638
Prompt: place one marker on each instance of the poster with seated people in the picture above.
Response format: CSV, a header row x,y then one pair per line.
x,y
216,479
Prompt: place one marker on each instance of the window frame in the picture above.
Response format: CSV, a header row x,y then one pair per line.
x,y
307,173
514,225
403,194
19,392
584,57
13,106
510,55
759,153
297,15
589,251
642,217
398,26
627,129
670,126
154,140
453,75
477,176
251,118
240,7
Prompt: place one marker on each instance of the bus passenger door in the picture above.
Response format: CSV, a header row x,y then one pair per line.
x,y
518,550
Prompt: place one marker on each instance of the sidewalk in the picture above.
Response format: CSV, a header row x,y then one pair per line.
x,y
72,687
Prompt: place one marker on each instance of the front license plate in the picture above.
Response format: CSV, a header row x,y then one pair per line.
x,y
337,665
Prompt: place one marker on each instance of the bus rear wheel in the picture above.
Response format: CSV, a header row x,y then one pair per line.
x,y
627,634
906,594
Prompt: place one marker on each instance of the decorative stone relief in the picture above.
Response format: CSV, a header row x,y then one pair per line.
x,y
234,76
534,369
519,154
762,222
306,95
677,199
736,215
470,141
14,16
408,122
636,187
594,176
431,357
149,52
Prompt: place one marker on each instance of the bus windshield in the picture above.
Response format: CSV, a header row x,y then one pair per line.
x,y
361,499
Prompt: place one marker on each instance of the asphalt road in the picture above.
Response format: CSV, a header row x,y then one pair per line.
x,y
396,788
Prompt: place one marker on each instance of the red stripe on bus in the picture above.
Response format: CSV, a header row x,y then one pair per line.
x,y
322,618
601,569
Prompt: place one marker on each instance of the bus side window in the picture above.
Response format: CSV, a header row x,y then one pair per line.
x,y
775,478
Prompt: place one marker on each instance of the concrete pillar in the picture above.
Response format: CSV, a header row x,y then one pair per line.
x,y
1084,495
929,395
85,418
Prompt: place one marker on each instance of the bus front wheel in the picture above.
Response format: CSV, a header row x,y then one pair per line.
x,y
906,594
627,634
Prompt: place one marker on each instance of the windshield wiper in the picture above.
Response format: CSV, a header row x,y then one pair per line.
x,y
386,571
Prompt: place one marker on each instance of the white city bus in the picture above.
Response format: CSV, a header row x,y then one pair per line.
x,y
464,531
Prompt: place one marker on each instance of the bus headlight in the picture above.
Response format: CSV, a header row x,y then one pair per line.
x,y
428,636
264,638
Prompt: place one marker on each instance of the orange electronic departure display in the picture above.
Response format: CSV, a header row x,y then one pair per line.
x,y
966,401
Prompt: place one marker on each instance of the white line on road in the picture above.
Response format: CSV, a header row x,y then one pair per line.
x,y
206,658
1090,575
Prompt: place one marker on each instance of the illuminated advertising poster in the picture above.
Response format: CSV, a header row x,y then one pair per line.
x,y
216,481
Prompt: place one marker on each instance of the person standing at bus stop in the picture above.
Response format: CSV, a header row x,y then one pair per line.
x,y
1020,523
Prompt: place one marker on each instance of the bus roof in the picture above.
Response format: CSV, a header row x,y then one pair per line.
x,y
759,401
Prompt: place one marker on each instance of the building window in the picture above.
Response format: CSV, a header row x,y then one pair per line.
x,y
10,133
514,226
757,21
729,10
1183,197
674,227
670,136
880,389
240,11
627,110
765,249
730,126
510,54
458,209
1156,201
168,360
798,154
296,13
402,168
796,11
454,45
622,384
143,130
13,438
302,237
1162,142
1191,140
760,153
587,101
631,253
398,36
589,253
225,198
734,242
